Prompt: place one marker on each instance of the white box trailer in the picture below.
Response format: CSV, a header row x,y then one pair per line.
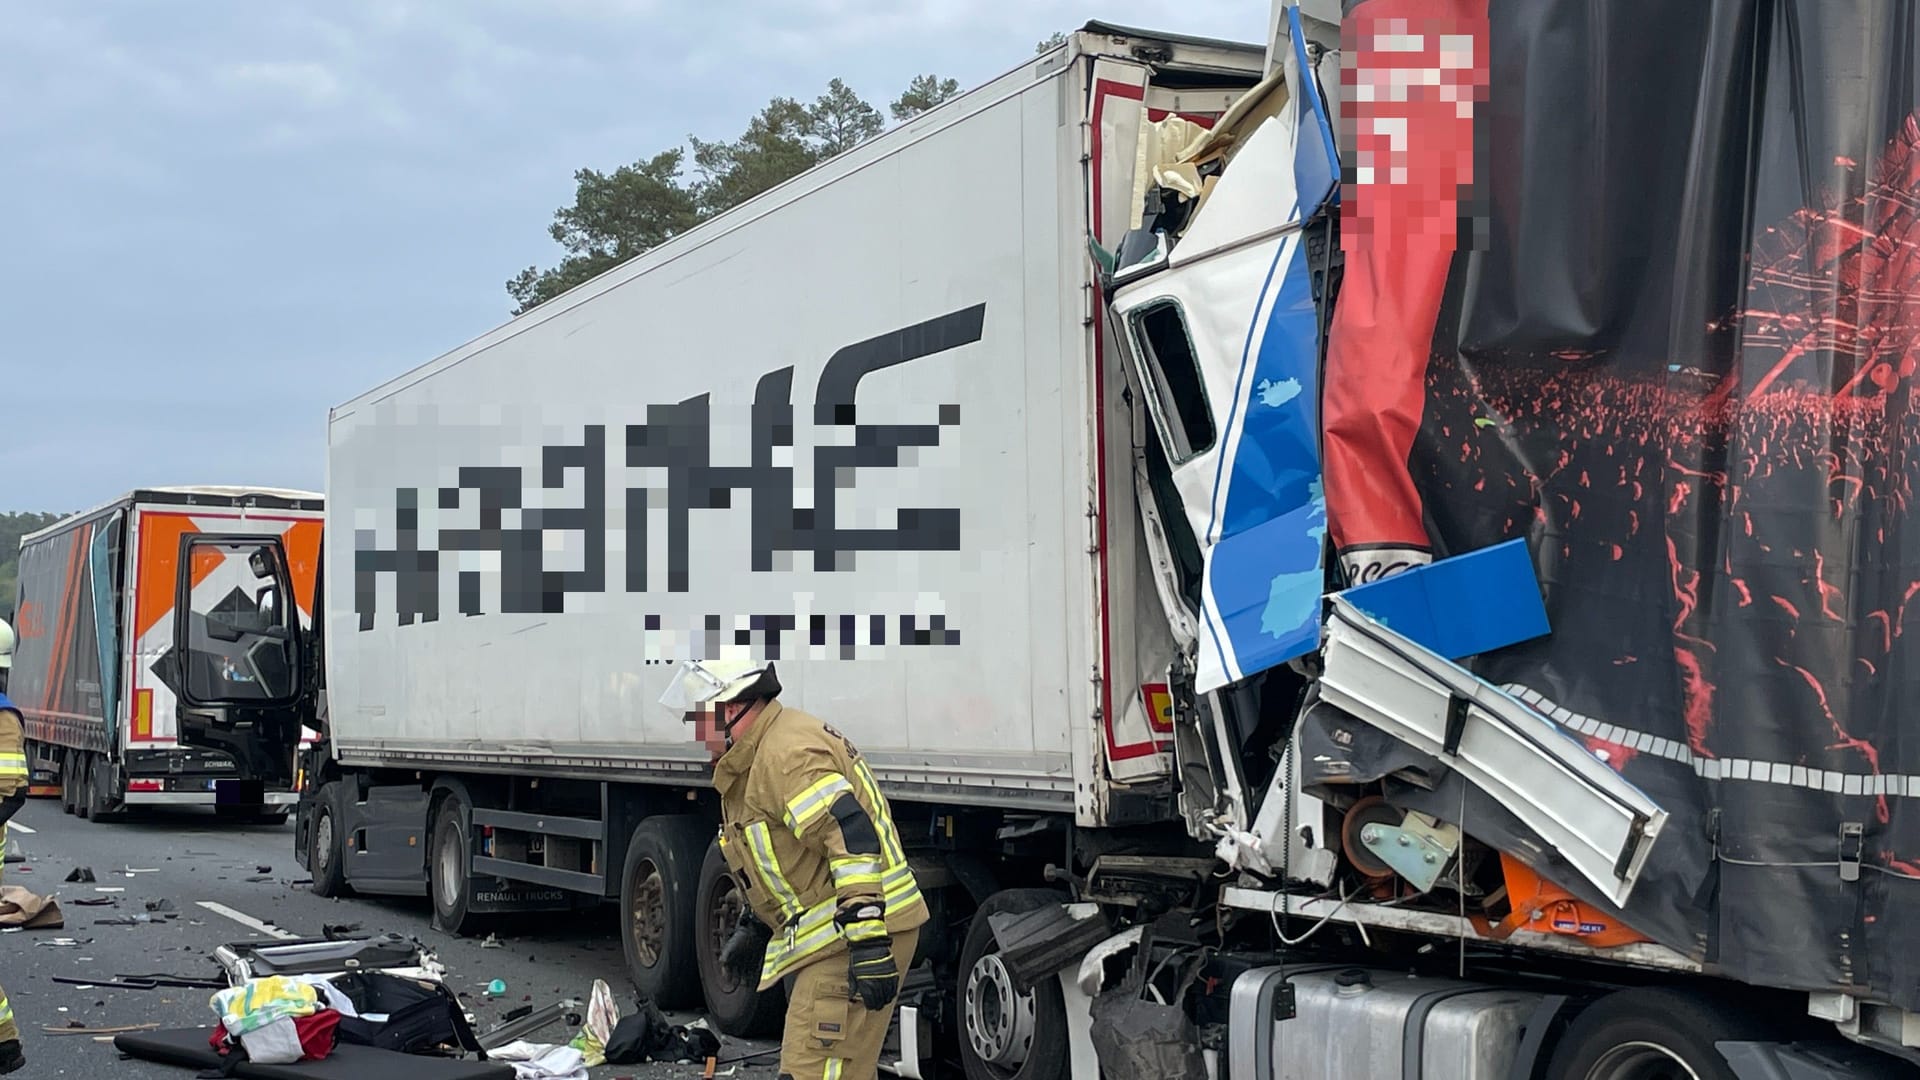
x,y
865,425
133,692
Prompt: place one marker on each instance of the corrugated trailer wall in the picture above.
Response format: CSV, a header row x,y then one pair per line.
x,y
56,667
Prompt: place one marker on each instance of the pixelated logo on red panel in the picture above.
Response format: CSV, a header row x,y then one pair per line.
x,y
1413,72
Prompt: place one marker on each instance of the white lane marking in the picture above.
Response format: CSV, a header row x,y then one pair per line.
x,y
15,826
246,920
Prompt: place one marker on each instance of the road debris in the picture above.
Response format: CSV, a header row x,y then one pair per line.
x,y
182,982
602,1016
541,1061
81,874
29,911
514,1028
83,1030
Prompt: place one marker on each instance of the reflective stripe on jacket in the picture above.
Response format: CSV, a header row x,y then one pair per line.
x,y
805,831
13,752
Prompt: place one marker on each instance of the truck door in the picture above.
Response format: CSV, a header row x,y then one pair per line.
x,y
237,665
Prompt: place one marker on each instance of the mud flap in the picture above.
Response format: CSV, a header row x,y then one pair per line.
x,y
1138,1039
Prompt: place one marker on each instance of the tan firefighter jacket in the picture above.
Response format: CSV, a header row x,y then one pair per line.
x,y
13,758
805,830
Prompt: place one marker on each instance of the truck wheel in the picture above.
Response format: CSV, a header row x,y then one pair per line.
x,y
657,888
103,803
737,1007
450,869
69,783
1650,1035
1006,1034
325,856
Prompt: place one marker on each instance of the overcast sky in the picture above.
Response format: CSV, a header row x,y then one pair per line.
x,y
218,218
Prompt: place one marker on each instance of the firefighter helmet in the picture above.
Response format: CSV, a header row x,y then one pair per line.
x,y
701,683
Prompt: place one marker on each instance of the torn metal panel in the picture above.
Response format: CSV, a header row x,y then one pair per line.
x,y
1284,831
1092,976
1601,824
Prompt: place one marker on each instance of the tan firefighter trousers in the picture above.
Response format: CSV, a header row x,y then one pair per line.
x,y
829,1035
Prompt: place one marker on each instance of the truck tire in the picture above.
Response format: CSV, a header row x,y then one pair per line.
x,y
326,851
1004,1034
1651,1035
657,888
450,868
70,778
738,1008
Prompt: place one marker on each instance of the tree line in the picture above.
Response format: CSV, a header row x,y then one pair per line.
x,y
12,528
623,213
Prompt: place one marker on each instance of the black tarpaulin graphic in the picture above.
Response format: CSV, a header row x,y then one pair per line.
x,y
1679,358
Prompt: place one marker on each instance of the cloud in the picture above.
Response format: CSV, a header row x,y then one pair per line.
x,y
226,218
312,82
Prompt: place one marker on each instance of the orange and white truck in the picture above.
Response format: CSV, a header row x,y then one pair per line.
x,y
159,649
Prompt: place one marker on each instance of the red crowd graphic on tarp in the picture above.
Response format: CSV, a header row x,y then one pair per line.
x,y
1773,484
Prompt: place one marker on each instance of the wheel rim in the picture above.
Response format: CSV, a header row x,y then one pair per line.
x,y
722,917
323,843
1000,1020
1641,1061
649,914
450,865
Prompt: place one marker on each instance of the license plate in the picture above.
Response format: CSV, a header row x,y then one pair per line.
x,y
238,792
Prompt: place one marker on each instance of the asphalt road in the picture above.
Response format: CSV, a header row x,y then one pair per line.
x,y
194,860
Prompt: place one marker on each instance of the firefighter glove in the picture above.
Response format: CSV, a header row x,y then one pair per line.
x,y
870,970
746,948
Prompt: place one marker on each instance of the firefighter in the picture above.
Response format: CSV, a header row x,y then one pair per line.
x,y
11,1059
13,770
13,795
6,654
812,845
